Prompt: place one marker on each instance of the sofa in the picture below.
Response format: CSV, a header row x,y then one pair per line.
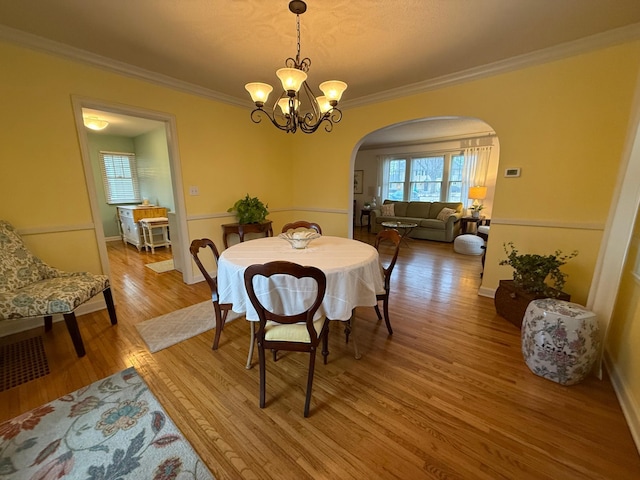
x,y
425,214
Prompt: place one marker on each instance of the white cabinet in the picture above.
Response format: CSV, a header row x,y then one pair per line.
x,y
130,216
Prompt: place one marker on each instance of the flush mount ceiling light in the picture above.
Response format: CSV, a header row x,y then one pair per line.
x,y
94,123
297,106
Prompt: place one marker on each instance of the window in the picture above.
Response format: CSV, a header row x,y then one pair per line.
x,y
397,169
454,191
120,177
426,178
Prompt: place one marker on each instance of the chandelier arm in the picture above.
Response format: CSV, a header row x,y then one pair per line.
x,y
336,115
310,128
256,117
312,100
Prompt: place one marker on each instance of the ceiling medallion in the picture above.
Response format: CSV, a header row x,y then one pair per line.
x,y
297,106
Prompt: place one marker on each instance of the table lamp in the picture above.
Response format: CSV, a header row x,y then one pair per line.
x,y
477,193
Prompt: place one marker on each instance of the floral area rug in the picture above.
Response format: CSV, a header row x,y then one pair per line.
x,y
112,429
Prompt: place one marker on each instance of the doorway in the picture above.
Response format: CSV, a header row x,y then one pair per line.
x,y
149,135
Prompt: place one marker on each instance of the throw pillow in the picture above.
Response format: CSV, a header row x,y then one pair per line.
x,y
387,210
445,213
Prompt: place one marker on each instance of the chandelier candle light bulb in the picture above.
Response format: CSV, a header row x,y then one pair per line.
x,y
286,114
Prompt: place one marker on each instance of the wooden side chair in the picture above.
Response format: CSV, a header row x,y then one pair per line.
x,y
302,224
31,288
393,237
221,309
297,331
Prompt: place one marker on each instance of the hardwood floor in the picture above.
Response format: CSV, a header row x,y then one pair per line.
x,y
448,396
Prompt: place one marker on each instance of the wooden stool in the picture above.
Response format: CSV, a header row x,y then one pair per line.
x,y
153,239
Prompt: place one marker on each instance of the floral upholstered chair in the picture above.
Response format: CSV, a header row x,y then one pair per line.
x,y
31,288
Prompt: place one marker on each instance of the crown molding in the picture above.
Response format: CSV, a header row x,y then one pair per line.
x,y
558,52
594,42
45,45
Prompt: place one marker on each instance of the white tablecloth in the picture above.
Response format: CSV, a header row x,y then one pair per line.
x,y
352,269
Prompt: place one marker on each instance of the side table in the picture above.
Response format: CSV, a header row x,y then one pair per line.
x,y
464,221
405,227
242,229
366,212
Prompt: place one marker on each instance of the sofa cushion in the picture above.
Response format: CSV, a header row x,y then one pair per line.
x,y
445,213
388,210
436,208
432,223
418,209
400,208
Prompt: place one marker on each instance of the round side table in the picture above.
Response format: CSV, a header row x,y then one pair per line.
x,y
560,340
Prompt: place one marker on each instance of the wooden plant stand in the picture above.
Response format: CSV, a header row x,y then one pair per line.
x,y
511,302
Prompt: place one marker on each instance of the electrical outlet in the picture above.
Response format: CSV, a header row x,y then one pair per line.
x,y
193,190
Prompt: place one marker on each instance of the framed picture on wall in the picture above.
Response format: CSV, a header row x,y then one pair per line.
x,y
357,181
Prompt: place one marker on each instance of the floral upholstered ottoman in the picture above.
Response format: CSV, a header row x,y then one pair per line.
x,y
560,340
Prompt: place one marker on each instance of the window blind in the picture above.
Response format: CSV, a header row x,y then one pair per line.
x,y
120,177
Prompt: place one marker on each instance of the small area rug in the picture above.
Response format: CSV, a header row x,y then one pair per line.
x,y
166,330
161,267
112,429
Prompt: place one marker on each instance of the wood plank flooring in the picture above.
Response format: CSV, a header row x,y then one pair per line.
x,y
448,396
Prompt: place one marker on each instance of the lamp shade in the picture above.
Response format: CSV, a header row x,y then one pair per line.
x,y
259,91
333,89
284,105
291,78
477,193
323,103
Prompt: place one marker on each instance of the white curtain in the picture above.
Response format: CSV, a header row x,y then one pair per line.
x,y
383,174
474,172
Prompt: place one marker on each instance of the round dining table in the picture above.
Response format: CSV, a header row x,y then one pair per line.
x,y
352,268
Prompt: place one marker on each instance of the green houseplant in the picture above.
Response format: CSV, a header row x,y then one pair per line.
x,y
249,210
531,272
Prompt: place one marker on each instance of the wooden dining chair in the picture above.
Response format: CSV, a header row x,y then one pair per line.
x,y
221,309
386,236
297,332
301,224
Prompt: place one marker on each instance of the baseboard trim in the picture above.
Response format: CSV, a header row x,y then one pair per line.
x,y
630,409
487,292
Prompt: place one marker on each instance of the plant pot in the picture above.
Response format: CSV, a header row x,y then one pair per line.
x,y
511,302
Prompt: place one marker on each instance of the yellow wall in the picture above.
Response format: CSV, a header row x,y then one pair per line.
x,y
42,184
564,123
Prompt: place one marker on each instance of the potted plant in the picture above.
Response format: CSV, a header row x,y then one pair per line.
x,y
249,210
531,272
475,210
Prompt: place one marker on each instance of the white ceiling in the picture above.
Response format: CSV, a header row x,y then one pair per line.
x,y
373,45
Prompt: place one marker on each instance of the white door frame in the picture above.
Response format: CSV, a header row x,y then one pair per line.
x,y
174,164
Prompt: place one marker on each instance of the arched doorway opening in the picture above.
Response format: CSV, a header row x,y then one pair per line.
x,y
441,138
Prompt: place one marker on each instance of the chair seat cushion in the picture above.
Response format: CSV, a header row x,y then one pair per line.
x,y
295,332
61,294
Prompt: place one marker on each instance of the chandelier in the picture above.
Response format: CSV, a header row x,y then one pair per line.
x,y
297,106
